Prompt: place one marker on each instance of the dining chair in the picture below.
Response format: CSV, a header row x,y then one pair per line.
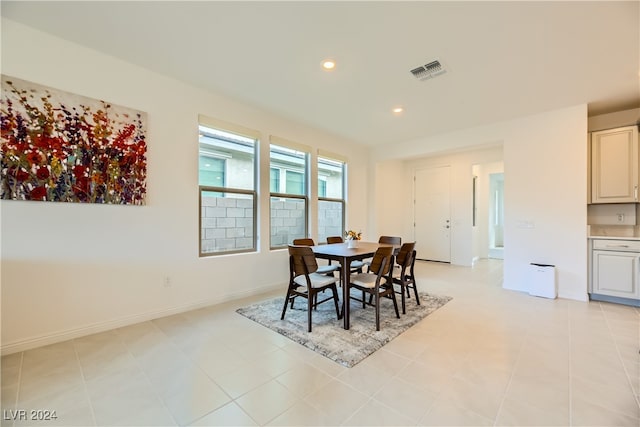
x,y
306,282
390,240
403,272
305,241
356,266
377,282
334,239
322,269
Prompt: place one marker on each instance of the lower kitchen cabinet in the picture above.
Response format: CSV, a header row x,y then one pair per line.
x,y
615,271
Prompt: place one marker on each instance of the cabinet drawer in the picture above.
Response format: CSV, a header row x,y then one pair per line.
x,y
617,245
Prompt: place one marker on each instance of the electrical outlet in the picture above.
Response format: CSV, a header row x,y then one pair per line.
x,y
167,282
620,217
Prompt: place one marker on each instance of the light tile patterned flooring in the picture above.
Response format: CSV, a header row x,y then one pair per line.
x,y
488,357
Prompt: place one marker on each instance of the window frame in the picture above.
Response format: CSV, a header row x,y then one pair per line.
x,y
282,143
343,200
224,190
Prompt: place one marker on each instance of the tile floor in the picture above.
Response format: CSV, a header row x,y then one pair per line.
x,y
488,357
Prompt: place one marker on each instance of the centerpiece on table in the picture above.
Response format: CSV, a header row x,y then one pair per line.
x,y
352,237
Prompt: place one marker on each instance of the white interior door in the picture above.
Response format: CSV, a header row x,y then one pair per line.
x,y
432,214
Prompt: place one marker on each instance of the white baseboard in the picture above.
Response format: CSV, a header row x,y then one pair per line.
x,y
39,341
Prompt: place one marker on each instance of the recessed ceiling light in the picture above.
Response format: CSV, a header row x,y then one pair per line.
x,y
397,110
329,64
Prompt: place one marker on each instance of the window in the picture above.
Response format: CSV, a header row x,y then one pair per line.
x,y
274,175
322,187
331,186
211,169
295,182
289,202
226,179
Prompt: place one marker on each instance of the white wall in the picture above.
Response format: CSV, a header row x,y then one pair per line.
x,y
73,269
545,170
391,214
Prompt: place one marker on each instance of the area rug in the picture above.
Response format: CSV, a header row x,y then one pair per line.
x,y
329,338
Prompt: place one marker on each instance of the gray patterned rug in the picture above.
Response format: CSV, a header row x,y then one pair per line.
x,y
329,338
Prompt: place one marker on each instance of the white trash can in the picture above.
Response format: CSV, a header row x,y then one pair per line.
x,y
542,280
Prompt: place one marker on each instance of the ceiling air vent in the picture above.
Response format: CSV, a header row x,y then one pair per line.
x,y
428,71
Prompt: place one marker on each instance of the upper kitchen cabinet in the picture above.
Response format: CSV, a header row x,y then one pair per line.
x,y
614,165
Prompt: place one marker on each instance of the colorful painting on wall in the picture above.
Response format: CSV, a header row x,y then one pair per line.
x,y
62,147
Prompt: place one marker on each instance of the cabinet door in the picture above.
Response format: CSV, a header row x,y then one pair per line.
x,y
614,165
616,274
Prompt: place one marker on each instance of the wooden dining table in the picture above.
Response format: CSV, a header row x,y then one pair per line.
x,y
345,254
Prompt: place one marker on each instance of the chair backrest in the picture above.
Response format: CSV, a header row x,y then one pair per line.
x,y
404,255
390,240
335,239
382,254
302,260
304,242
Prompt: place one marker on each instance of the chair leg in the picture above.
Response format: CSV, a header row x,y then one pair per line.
x,y
310,296
403,287
395,303
334,289
286,302
363,300
415,291
377,297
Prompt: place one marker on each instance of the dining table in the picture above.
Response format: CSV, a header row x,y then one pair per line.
x,y
345,253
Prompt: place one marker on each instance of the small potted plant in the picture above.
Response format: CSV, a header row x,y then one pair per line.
x,y
352,237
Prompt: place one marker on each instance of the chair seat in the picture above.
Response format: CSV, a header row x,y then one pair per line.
x,y
317,280
323,269
357,264
364,280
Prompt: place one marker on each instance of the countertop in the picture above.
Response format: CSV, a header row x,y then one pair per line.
x,y
613,238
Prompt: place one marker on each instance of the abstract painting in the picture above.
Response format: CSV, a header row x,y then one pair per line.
x,y
61,147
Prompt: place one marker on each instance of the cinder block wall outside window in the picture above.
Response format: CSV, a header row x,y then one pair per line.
x,y
287,221
227,223
329,220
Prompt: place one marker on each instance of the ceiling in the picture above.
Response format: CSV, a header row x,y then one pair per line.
x,y
503,59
